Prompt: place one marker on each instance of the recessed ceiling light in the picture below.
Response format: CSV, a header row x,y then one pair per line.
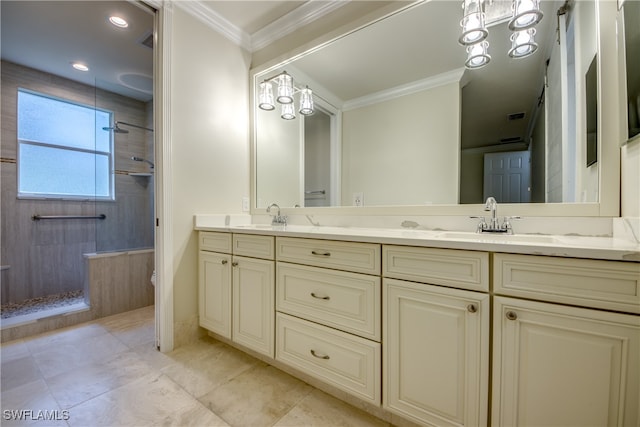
x,y
118,21
79,66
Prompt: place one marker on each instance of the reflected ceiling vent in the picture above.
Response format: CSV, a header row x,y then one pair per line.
x,y
147,40
512,139
515,116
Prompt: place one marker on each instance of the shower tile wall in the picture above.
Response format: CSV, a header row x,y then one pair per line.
x,y
45,257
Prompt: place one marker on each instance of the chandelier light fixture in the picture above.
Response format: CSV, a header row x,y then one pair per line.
x,y
285,92
525,14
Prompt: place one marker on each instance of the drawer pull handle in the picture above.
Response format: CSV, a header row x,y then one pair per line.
x,y
313,294
472,308
224,262
314,354
321,253
511,315
234,264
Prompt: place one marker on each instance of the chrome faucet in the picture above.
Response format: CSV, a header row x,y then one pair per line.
x,y
494,226
278,219
492,206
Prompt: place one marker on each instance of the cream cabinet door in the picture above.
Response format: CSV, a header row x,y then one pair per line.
x,y
564,366
214,292
436,354
254,304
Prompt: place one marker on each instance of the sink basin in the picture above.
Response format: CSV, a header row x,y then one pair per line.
x,y
523,238
255,226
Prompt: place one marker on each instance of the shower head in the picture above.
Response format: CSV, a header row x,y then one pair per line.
x,y
140,159
116,128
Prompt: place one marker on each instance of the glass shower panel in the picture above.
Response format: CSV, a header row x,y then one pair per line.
x,y
129,135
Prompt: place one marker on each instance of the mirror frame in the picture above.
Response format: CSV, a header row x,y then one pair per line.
x,y
609,137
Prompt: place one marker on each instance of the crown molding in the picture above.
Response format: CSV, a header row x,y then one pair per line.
x,y
405,89
297,18
216,22
279,28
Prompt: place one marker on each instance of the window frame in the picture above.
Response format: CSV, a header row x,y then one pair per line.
x,y
109,154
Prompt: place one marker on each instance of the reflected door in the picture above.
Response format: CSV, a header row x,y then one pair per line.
x,y
317,160
507,177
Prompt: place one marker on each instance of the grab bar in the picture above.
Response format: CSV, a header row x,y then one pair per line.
x,y
39,217
314,192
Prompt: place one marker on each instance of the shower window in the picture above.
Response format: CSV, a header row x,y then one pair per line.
x,y
62,150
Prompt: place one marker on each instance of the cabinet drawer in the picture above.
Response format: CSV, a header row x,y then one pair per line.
x,y
252,245
447,267
343,300
214,241
348,362
611,285
358,257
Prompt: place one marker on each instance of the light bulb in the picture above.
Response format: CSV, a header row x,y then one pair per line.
x,y
523,43
288,112
478,55
526,14
265,99
472,23
306,101
285,89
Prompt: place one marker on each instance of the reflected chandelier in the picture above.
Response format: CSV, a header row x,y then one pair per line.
x,y
525,15
285,92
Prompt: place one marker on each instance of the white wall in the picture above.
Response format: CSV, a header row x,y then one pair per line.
x,y
210,145
414,139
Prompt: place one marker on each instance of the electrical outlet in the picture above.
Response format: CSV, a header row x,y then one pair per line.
x,y
358,199
245,204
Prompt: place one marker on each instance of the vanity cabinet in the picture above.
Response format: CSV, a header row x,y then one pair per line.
x,y
556,364
328,303
440,337
561,365
436,338
236,289
214,292
214,282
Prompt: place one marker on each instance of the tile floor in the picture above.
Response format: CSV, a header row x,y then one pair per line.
x,y
107,373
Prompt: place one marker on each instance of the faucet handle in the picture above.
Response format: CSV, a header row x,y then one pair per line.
x,y
506,223
482,224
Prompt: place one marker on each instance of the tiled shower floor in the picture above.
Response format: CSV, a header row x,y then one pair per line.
x,y
34,305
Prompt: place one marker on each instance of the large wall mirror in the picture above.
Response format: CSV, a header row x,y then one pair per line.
x,y
631,34
399,121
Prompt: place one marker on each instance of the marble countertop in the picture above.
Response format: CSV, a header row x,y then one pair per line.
x,y
607,248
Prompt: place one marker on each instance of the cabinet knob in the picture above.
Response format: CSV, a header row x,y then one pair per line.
x,y
319,356
313,294
224,262
511,315
234,264
472,308
321,253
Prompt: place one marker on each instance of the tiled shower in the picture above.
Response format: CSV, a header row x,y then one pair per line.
x,y
97,266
